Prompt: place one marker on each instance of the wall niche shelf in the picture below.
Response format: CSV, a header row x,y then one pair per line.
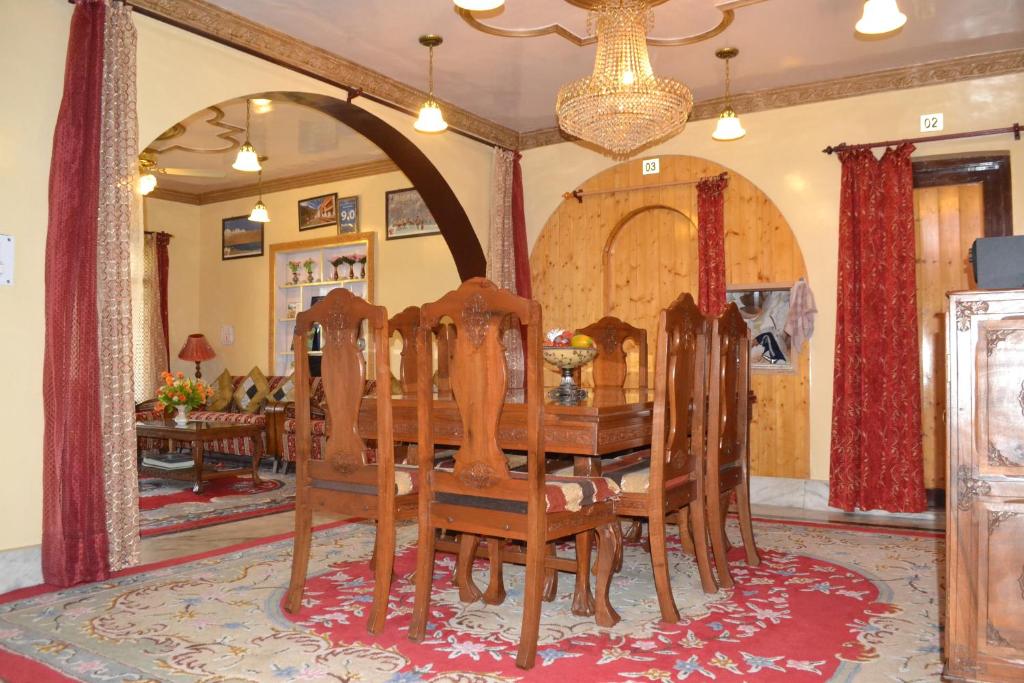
x,y
291,292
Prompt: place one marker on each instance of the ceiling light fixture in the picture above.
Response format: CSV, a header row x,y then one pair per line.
x,y
259,213
622,106
880,16
147,183
430,120
479,5
247,159
729,126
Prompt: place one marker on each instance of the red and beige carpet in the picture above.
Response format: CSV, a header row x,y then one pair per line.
x,y
167,506
826,603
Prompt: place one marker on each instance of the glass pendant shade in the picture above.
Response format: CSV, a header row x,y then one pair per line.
x,y
729,127
430,120
479,5
147,183
880,16
259,213
622,106
247,160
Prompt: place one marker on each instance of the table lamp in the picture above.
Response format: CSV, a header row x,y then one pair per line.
x,y
196,349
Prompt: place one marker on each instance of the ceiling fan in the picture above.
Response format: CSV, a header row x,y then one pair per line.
x,y
149,169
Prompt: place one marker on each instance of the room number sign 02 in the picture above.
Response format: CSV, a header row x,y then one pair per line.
x,y
651,166
931,123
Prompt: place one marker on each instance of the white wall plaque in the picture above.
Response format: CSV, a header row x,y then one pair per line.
x,y
652,166
931,123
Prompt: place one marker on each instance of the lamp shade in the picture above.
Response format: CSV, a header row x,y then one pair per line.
x,y
247,160
729,127
479,5
259,213
147,183
196,349
880,16
431,120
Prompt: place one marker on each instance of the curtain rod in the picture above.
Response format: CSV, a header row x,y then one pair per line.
x,y
842,146
578,194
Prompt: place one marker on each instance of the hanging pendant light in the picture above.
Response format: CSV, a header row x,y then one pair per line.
x,y
259,213
880,16
479,5
729,126
430,120
247,159
147,183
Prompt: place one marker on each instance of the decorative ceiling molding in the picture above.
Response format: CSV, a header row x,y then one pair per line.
x,y
216,120
333,175
919,75
228,28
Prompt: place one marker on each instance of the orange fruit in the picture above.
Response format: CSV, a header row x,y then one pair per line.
x,y
581,341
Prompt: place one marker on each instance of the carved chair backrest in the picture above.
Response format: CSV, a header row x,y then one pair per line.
x,y
680,392
404,324
609,335
479,313
730,383
342,317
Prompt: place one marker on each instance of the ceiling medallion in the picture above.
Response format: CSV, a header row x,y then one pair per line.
x,y
622,106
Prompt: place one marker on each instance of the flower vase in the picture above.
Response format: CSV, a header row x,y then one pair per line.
x,y
181,417
295,277
335,277
309,276
360,270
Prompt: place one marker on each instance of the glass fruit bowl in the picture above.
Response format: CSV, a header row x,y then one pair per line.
x,y
567,359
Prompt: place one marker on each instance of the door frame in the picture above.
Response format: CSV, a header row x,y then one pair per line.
x,y
992,170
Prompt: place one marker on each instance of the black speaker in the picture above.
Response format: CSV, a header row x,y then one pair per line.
x,y
998,262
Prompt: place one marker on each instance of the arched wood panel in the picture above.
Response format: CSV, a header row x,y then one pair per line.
x,y
630,253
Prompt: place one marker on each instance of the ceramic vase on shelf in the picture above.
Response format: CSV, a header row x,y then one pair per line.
x,y
181,417
360,270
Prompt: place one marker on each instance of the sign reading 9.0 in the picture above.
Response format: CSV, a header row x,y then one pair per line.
x,y
348,214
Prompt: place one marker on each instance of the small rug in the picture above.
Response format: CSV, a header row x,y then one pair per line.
x,y
826,603
167,505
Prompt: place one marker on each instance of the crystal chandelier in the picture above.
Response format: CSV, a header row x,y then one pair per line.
x,y
623,106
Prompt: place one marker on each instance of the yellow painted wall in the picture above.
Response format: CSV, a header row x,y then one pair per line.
x,y
178,74
781,154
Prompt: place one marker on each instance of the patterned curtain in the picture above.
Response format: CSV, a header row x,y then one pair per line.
x,y
711,244
877,460
151,354
90,511
508,263
163,267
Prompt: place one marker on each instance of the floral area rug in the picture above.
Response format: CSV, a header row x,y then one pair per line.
x,y
168,505
826,603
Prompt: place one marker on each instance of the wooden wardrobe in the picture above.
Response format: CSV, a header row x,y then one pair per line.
x,y
984,638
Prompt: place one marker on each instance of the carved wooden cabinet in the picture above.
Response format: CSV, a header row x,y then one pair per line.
x,y
984,638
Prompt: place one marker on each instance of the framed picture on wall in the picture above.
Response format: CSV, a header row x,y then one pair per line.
x,y
348,215
318,212
240,238
765,308
406,215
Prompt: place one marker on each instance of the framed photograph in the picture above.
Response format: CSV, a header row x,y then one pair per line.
x,y
407,216
318,212
766,309
240,238
348,215
292,310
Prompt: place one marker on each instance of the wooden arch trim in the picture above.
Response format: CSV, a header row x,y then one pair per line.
x,y
606,253
451,217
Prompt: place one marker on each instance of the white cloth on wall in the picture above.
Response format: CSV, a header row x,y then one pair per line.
x,y
800,322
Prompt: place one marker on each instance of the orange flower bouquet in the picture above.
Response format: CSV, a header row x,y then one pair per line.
x,y
182,393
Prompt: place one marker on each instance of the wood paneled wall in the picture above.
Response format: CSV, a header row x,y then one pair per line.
x,y
630,253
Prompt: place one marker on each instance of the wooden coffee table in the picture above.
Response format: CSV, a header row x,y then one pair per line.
x,y
197,433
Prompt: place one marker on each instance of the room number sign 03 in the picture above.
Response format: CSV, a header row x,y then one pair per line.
x,y
651,166
931,123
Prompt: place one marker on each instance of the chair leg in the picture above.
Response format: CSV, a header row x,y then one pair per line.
x,y
384,552
717,533
373,555
495,593
468,590
300,556
582,599
531,604
726,502
746,524
424,583
659,564
551,577
635,530
686,533
699,529
607,540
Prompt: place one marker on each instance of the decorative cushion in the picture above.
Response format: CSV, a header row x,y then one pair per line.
x,y
571,494
223,387
251,393
284,392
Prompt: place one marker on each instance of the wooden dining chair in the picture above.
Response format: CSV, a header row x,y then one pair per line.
x,y
662,483
348,480
480,495
728,455
404,325
610,335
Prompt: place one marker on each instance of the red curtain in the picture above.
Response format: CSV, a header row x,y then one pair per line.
x,y
877,461
163,267
74,517
711,244
520,251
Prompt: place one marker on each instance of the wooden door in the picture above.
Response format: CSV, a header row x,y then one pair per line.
x,y
949,219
